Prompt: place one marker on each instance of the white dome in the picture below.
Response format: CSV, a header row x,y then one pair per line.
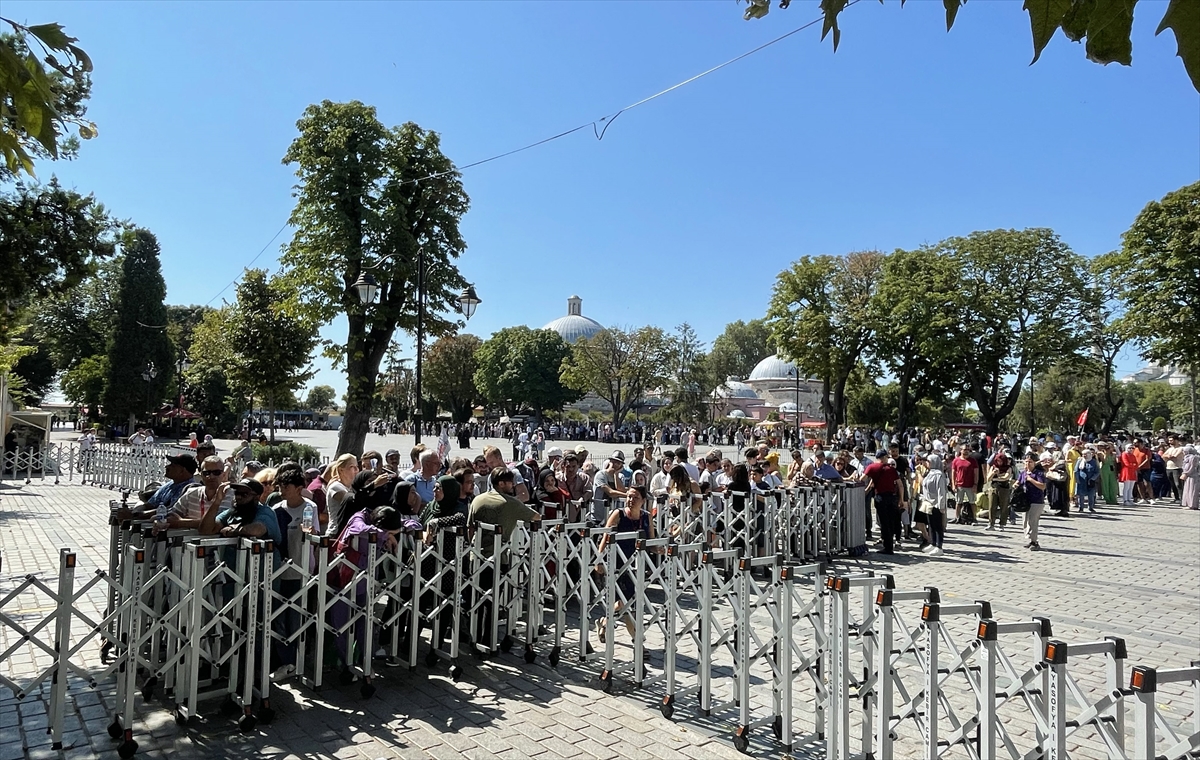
x,y
733,389
737,414
574,326
773,368
787,407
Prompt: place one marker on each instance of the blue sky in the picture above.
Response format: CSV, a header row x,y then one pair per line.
x,y
694,201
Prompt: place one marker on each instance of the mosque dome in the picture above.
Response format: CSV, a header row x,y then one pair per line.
x,y
773,368
574,325
732,388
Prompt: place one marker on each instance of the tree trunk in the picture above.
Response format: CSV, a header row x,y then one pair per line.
x,y
839,401
362,369
902,406
826,409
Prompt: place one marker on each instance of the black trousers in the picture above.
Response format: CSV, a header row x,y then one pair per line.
x,y
887,511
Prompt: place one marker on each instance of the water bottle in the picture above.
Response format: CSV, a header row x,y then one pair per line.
x,y
306,522
160,515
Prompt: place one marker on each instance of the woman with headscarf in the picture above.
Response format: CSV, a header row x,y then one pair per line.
x,y
1087,479
1058,498
445,512
1128,474
934,494
352,545
1107,459
1190,476
550,495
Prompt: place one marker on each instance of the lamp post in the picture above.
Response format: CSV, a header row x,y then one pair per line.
x,y
148,375
180,365
468,301
795,372
1032,426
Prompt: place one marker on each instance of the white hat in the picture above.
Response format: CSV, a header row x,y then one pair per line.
x,y
554,451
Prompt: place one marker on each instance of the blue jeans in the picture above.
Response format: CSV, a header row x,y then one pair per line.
x,y
1085,496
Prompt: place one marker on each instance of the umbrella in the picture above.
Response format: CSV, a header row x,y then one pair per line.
x,y
812,424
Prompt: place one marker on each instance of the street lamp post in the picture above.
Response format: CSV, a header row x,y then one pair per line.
x,y
796,372
468,301
148,375
1032,426
180,366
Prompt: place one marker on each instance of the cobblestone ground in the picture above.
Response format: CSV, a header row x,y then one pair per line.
x,y
1128,572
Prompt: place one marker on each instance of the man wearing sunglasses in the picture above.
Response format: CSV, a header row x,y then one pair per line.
x,y
194,502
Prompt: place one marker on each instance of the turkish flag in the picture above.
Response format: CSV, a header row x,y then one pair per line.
x,y
1082,418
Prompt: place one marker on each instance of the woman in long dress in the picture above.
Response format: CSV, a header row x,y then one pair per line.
x,y
1108,475
1191,478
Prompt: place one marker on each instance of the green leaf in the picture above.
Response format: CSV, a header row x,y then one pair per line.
x,y
85,62
831,9
1075,20
52,35
1109,30
952,7
88,131
756,9
1183,18
1045,17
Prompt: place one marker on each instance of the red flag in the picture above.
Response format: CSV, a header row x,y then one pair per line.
x,y
1082,418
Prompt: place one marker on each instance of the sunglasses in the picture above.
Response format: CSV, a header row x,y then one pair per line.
x,y
214,473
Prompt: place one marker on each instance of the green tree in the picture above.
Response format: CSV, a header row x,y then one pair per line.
x,y
320,397
1157,274
210,390
50,240
691,378
449,375
820,317
84,383
739,348
41,106
36,369
1017,297
271,348
912,335
368,199
76,325
1105,339
619,366
1162,400
139,337
520,368
1104,26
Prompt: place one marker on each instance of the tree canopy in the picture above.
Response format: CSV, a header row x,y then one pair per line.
x,y
619,366
368,200
521,368
1104,26
739,348
449,374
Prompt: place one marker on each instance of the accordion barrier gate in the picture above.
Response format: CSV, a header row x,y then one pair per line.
x,y
752,629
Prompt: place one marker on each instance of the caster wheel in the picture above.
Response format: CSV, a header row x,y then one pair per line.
x,y
506,645
530,656
667,709
180,719
741,740
554,657
367,691
127,749
455,672
105,651
246,723
229,708
266,715
431,659
114,729
149,687
346,678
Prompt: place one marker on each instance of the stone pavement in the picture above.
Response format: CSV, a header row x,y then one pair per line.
x,y
1131,572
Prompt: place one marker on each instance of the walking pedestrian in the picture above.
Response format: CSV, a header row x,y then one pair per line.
x,y
1033,481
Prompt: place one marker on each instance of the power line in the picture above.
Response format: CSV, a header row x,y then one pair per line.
x,y
599,127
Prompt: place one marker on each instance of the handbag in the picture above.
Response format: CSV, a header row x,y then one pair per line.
x,y
1019,502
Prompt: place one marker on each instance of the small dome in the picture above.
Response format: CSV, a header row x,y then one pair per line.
x,y
737,414
788,407
575,326
773,368
734,389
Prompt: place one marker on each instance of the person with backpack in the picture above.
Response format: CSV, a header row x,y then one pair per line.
x,y
1087,480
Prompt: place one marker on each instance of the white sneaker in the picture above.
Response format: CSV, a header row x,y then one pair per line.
x,y
990,527
929,549
282,672
936,552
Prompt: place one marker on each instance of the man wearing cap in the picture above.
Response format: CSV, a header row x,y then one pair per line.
x,y
884,483
391,461
554,456
247,517
607,485
179,471
587,466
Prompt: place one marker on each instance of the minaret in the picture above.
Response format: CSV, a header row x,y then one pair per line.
x,y
574,306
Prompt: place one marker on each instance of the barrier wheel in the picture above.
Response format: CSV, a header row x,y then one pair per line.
x,y
455,672
777,726
246,723
180,718
506,644
530,655
606,681
266,715
114,729
667,708
105,651
555,654
149,687
367,691
741,740
127,749
431,659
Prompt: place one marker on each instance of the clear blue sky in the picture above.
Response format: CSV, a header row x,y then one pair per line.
x,y
697,200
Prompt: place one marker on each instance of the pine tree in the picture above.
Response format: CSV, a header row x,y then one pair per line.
x,y
139,339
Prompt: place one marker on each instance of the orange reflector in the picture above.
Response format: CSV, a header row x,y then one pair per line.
x,y
139,556
199,551
879,597
1137,680
983,628
70,560
925,609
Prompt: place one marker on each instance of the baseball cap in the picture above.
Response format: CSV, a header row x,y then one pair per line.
x,y
581,449
391,453
618,455
186,461
554,451
881,454
251,484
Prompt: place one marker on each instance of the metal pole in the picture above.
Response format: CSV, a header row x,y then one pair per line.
x,y
796,443
178,393
1195,426
420,337
1032,426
